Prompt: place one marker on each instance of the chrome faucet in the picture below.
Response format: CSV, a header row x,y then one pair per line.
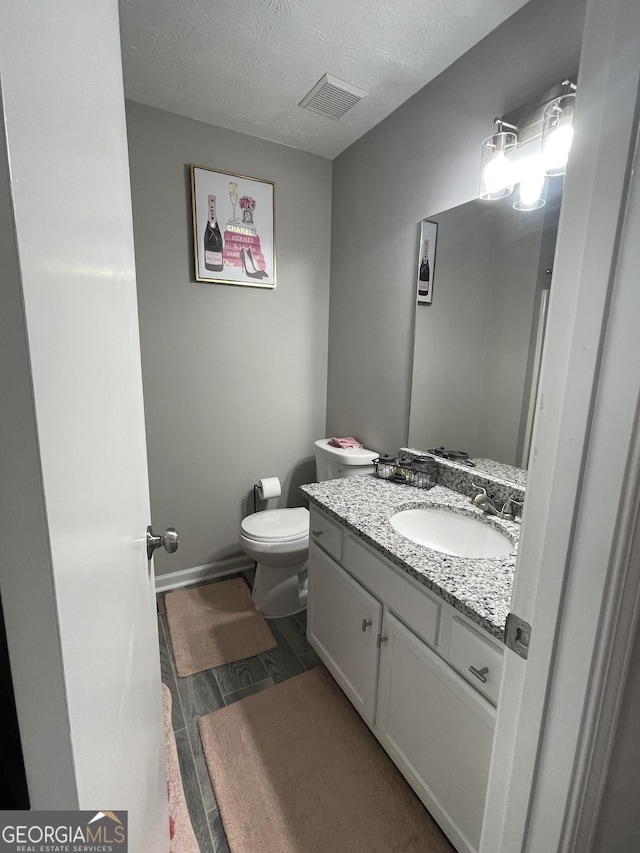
x,y
484,502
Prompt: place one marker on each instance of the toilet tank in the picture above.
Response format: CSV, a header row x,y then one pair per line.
x,y
333,463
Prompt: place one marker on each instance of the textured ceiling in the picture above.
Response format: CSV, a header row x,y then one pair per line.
x,y
246,64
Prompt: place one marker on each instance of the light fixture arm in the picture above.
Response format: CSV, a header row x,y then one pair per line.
x,y
504,125
569,86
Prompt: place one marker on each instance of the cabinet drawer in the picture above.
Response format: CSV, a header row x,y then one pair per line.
x,y
408,599
325,533
468,649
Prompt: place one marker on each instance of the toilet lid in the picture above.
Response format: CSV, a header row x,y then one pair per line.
x,y
277,524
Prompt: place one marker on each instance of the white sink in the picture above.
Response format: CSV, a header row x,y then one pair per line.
x,y
450,533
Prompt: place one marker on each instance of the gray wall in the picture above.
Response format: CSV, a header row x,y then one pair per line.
x,y
422,159
234,377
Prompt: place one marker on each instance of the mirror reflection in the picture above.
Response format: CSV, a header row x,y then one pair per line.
x,y
478,345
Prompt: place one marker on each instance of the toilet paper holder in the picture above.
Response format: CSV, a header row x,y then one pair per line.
x,y
267,487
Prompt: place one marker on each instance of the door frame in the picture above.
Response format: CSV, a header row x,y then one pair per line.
x,y
573,581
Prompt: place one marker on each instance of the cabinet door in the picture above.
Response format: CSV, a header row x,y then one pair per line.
x,y
338,609
438,730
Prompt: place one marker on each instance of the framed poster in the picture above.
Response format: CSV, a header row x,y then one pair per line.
x,y
233,228
426,261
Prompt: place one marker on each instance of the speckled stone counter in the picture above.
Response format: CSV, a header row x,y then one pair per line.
x,y
479,588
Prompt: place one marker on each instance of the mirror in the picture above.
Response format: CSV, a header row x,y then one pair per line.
x,y
478,345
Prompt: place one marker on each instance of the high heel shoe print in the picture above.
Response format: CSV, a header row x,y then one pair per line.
x,y
249,265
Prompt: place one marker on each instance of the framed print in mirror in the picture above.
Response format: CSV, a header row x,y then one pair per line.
x,y
233,228
426,261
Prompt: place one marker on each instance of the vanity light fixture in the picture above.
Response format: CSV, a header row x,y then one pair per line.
x,y
497,175
523,156
557,131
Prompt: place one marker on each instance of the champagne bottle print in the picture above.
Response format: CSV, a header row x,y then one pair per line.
x,y
213,240
424,276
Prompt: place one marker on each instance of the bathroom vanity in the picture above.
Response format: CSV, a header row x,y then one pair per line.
x,y
414,638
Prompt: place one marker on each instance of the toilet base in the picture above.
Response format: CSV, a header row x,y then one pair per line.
x,y
280,590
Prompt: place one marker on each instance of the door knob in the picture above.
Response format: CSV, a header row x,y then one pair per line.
x,y
169,541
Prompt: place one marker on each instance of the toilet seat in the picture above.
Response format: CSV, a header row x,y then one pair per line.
x,y
277,525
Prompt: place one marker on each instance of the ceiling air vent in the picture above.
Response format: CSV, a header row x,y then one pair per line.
x,y
331,97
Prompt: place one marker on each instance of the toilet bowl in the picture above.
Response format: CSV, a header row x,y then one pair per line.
x,y
278,540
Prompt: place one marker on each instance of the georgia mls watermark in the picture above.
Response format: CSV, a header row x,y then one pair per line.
x,y
63,832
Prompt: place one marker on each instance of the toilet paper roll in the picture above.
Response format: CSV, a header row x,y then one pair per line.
x,y
269,487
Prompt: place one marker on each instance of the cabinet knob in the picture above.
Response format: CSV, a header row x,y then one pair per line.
x,y
380,640
366,623
317,532
481,674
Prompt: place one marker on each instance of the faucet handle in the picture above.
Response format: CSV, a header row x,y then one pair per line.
x,y
511,500
482,499
508,510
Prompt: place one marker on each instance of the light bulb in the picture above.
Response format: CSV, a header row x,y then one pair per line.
x,y
557,133
557,146
531,189
496,169
531,192
498,173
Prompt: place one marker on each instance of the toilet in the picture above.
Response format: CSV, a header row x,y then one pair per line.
x,y
278,539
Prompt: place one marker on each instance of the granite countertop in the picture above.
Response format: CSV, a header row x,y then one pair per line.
x,y
479,588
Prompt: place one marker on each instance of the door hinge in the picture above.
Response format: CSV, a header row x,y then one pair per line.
x,y
517,635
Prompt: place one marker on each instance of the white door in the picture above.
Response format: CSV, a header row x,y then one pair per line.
x,y
62,98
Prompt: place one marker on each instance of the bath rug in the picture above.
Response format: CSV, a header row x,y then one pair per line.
x,y
182,837
214,624
296,770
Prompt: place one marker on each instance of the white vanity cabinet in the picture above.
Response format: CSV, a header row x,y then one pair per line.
x,y
422,676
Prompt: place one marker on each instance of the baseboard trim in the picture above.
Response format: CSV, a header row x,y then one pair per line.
x,y
197,574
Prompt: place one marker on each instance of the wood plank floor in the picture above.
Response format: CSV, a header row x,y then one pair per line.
x,y
204,692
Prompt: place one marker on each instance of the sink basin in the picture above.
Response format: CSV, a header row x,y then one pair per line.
x,y
450,533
